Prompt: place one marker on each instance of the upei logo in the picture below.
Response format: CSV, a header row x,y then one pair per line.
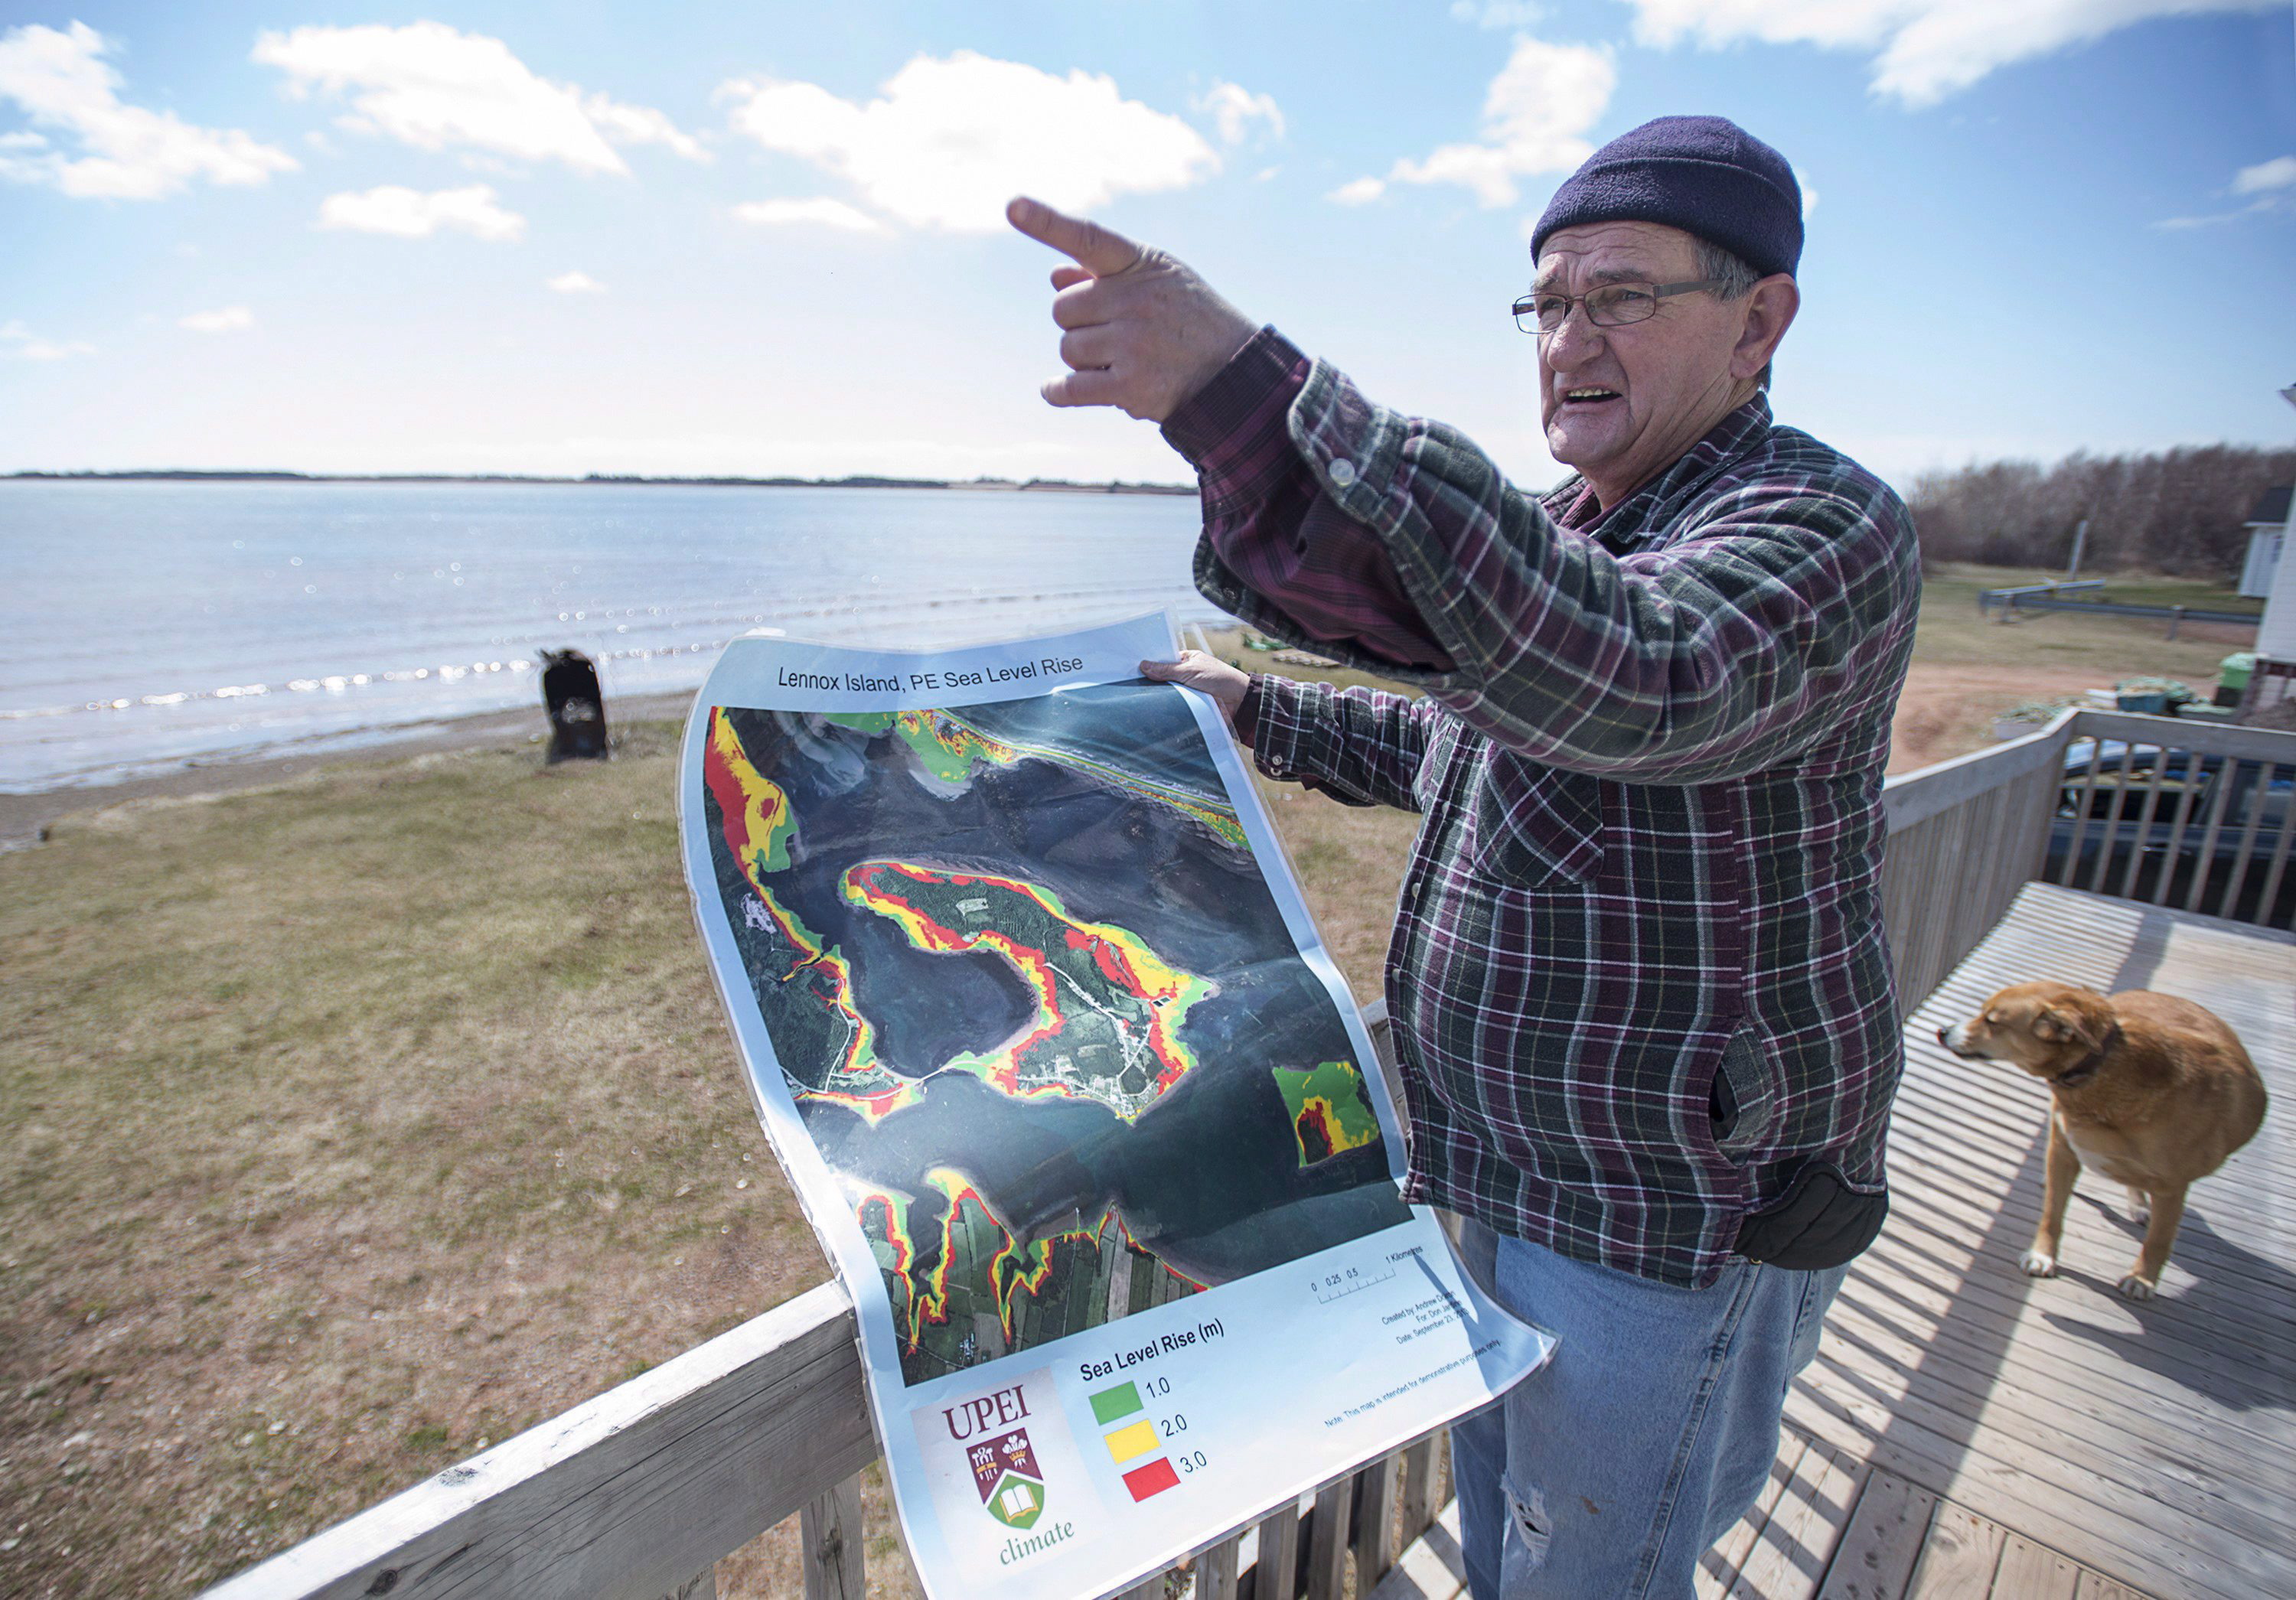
x,y
1004,1469
1006,1441
1011,1483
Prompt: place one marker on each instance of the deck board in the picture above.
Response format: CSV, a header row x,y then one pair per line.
x,y
1875,1558
1967,1430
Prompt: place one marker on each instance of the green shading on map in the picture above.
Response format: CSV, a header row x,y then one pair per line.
x,y
1331,1109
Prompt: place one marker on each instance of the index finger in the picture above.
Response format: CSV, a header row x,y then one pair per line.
x,y
1101,251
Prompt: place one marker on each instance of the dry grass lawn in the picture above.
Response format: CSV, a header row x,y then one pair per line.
x,y
347,1125
1969,669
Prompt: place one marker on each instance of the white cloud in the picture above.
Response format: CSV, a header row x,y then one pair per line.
x,y
438,88
2272,182
949,141
819,213
574,282
230,319
1233,108
2175,225
1535,115
640,125
30,346
2278,173
1496,13
1924,50
119,152
410,214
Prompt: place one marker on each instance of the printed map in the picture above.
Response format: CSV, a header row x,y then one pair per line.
x,y
1038,1008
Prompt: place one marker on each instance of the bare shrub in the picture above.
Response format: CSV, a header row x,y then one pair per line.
x,y
2181,510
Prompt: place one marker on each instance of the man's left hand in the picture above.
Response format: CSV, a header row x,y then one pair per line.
x,y
1142,332
1194,670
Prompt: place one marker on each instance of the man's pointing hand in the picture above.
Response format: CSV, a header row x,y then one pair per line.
x,y
1142,331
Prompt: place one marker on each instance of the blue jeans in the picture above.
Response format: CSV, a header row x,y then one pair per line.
x,y
1607,1474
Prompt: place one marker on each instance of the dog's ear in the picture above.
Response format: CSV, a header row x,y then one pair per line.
x,y
2073,1022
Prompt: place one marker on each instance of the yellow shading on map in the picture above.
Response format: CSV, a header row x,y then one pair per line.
x,y
1331,1109
1126,1443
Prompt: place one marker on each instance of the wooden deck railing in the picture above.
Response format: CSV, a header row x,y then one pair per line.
x,y
2196,814
635,1495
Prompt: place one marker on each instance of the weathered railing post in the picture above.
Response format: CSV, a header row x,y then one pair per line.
x,y
1421,1463
1328,1540
1375,1517
834,1544
1276,1571
1216,1569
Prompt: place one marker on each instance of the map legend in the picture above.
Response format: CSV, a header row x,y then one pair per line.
x,y
1134,1440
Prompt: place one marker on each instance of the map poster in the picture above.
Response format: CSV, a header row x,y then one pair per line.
x,y
1081,1111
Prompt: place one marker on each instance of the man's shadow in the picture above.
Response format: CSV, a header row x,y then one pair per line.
x,y
2225,1337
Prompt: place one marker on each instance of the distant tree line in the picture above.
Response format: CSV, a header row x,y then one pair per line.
x,y
2181,510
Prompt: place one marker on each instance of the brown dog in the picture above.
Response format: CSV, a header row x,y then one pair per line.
x,y
2151,1090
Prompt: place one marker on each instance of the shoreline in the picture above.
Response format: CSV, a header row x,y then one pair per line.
x,y
25,818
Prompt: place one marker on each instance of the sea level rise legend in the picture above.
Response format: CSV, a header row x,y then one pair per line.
x,y
1135,1442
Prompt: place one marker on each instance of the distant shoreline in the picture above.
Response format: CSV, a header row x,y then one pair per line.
x,y
1059,486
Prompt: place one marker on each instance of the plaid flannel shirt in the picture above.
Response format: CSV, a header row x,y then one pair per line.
x,y
1649,758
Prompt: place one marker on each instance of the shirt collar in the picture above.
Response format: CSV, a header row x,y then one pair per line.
x,y
1571,503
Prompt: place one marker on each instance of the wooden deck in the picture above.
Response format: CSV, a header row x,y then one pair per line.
x,y
1968,1431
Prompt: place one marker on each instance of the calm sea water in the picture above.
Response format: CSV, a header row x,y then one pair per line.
x,y
150,625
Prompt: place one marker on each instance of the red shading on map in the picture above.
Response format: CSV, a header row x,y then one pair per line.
x,y
1153,1479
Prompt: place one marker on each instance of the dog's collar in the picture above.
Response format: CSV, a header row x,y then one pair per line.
x,y
2086,1068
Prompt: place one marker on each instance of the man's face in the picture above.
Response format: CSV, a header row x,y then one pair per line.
x,y
1619,404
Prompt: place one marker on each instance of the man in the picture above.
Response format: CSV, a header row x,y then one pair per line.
x,y
1642,1005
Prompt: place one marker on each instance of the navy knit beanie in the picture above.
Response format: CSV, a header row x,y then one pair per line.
x,y
1703,175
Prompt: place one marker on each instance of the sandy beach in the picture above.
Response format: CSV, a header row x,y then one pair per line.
x,y
25,817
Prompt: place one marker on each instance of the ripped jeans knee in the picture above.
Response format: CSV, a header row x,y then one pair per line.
x,y
1529,1533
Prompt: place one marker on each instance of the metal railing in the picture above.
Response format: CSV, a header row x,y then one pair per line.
x,y
639,1491
2087,594
2012,595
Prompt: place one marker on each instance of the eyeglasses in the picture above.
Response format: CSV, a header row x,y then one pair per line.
x,y
1544,311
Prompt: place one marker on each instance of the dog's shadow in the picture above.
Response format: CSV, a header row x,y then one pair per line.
x,y
2181,1334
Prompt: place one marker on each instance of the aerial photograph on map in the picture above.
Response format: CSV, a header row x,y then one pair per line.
x,y
1038,1008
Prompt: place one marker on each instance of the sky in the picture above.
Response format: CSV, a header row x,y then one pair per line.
x,y
698,239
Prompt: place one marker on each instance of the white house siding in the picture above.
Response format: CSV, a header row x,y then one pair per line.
x,y
2264,548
